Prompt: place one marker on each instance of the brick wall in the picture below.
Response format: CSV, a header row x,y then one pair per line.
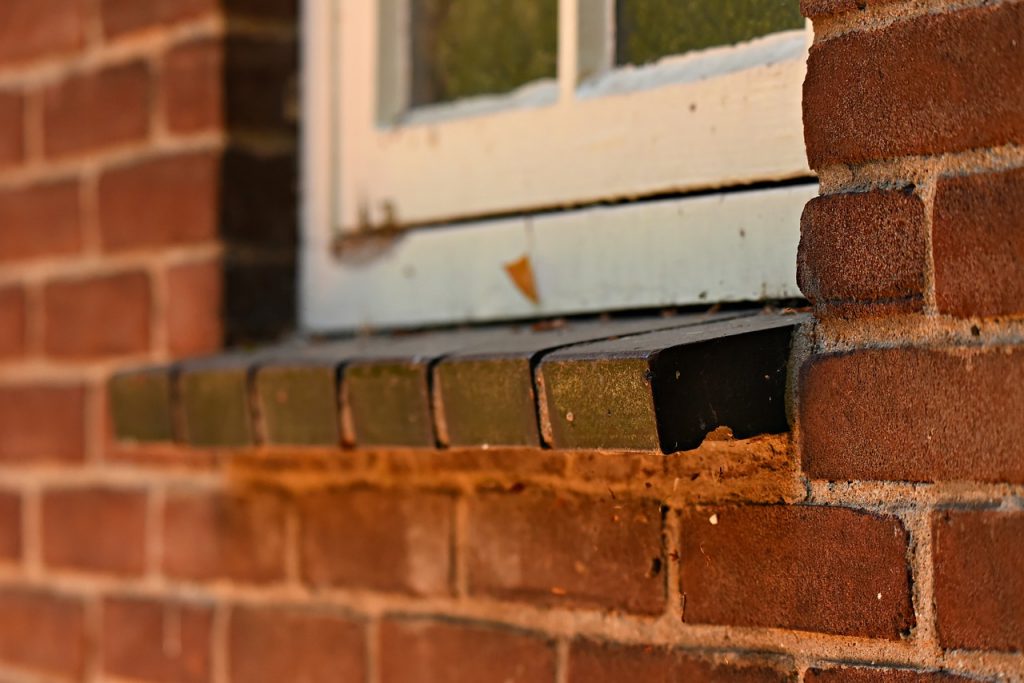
x,y
146,188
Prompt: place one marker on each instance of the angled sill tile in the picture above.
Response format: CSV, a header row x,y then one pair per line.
x,y
142,405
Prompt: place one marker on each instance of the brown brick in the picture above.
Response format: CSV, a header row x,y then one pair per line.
x,y
815,9
978,244
907,414
268,9
42,632
92,111
259,83
10,527
42,423
601,552
215,402
195,304
31,29
269,645
259,300
443,652
211,536
12,322
101,530
127,16
40,221
866,675
192,92
104,316
979,579
383,540
938,83
816,568
592,662
864,248
12,132
152,640
266,218
166,201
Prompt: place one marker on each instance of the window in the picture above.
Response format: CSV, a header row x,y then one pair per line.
x,y
477,160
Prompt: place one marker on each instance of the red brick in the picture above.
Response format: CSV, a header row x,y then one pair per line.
x,y
127,16
592,662
10,527
383,540
601,552
12,131
865,675
211,536
937,83
979,579
978,244
41,423
166,201
103,316
40,221
908,414
444,652
193,86
152,640
863,248
12,322
268,645
805,568
194,313
95,530
31,29
815,9
42,631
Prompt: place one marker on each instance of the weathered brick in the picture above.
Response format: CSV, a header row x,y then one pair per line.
x,y
12,130
445,652
211,535
384,540
127,16
141,405
565,549
979,579
194,313
978,244
215,402
897,107
908,414
95,110
873,675
166,201
831,570
864,248
32,29
10,527
593,662
42,423
103,316
40,221
154,640
12,322
815,9
192,89
270,645
95,530
42,631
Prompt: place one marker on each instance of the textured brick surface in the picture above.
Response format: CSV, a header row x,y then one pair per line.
x,y
442,652
868,247
40,221
12,134
820,8
141,405
10,527
593,662
102,316
866,675
602,552
152,640
192,95
195,307
818,569
42,423
384,540
913,414
12,322
31,29
95,529
125,16
42,632
215,403
897,108
978,244
269,645
91,111
979,579
211,536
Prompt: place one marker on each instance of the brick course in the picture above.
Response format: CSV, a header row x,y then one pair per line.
x,y
95,530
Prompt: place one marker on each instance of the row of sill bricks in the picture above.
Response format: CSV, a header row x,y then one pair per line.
x,y
630,384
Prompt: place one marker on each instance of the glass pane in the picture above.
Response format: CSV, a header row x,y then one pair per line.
x,y
647,30
475,47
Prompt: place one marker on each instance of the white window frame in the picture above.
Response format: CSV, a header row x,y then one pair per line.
x,y
535,169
